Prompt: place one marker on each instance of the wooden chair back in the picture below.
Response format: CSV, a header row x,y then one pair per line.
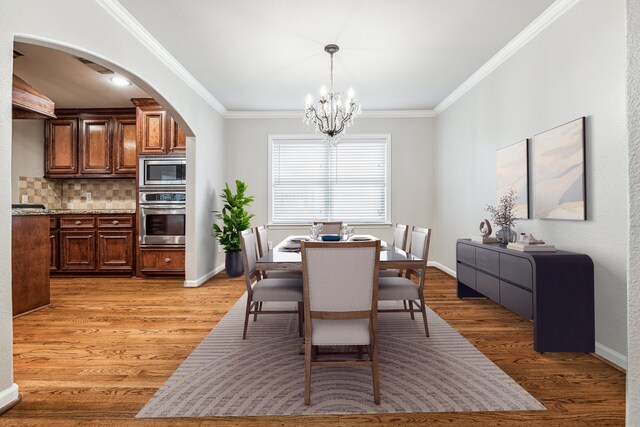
x,y
249,257
262,236
420,241
400,234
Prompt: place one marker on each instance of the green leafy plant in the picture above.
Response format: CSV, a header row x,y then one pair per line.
x,y
234,218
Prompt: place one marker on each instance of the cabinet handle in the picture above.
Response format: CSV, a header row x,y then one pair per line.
x,y
167,260
52,236
78,222
115,222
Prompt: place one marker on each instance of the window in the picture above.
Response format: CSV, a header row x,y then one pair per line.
x,y
310,181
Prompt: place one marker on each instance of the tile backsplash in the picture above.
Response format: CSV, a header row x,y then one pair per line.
x,y
73,193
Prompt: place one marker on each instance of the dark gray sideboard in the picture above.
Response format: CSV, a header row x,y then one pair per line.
x,y
554,289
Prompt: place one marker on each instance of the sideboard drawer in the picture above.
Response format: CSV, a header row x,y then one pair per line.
x,y
487,285
516,299
488,260
517,270
467,254
466,275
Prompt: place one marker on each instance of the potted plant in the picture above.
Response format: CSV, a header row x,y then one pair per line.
x,y
235,219
504,216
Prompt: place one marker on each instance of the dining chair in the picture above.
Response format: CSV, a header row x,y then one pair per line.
x,y
399,241
263,290
329,227
262,238
403,288
340,304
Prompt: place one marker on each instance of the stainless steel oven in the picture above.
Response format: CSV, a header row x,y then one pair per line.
x,y
162,218
162,171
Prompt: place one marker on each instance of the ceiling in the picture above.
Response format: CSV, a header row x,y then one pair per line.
x,y
268,54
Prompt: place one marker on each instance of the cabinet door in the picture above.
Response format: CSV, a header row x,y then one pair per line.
x,y
61,147
77,250
177,139
115,250
53,252
125,147
95,146
162,260
152,131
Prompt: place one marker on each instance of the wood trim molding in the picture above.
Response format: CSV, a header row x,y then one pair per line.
x,y
553,12
9,397
128,21
382,114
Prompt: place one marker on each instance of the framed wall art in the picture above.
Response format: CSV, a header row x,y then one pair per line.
x,y
512,172
559,172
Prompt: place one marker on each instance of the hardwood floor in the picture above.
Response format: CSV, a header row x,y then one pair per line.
x,y
104,346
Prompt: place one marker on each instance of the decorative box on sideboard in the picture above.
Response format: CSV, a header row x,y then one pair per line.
x,y
554,289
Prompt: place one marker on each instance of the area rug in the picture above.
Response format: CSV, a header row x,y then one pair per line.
x,y
264,374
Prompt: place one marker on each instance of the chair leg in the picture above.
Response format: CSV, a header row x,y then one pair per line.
x,y
374,372
246,318
404,304
423,309
257,308
307,371
411,309
300,318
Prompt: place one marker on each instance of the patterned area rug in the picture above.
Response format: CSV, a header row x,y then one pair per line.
x,y
264,374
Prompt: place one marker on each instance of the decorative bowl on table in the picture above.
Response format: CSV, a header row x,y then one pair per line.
x,y
330,237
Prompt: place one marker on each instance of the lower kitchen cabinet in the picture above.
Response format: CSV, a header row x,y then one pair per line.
x,y
92,244
30,278
77,252
161,260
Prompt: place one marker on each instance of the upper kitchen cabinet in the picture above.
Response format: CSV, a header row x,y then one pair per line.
x,y
96,143
158,133
61,147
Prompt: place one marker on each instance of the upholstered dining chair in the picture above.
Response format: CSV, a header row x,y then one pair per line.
x,y
330,227
266,290
262,237
340,304
403,288
399,241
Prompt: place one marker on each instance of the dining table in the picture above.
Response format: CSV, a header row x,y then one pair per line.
x,y
285,255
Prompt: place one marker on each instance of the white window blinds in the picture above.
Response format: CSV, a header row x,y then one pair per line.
x,y
311,181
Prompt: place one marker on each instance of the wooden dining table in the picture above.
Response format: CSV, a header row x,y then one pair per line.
x,y
281,258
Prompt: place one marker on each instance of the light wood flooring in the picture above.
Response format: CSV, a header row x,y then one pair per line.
x,y
104,346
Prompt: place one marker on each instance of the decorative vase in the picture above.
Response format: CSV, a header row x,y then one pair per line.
x,y
233,264
506,235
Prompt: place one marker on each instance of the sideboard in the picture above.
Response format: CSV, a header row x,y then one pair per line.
x,y
554,289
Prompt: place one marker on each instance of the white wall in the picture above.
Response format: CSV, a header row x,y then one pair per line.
x,y
575,67
27,155
633,285
101,38
412,152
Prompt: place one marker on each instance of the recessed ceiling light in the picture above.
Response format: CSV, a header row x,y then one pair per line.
x,y
120,81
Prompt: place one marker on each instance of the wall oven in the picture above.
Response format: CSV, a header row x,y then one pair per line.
x,y
162,218
162,171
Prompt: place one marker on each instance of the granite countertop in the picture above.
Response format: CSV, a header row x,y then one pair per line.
x,y
30,211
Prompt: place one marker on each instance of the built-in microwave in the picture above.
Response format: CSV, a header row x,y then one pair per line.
x,y
162,171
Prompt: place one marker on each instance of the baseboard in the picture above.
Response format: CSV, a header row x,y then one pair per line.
x,y
200,280
618,359
442,267
8,397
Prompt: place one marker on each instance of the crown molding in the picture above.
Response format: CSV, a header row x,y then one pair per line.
x,y
546,18
128,21
383,114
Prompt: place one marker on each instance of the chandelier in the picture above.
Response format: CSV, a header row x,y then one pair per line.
x,y
330,116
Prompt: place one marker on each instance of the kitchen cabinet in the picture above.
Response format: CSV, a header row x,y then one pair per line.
x,y
61,147
30,280
158,133
96,143
162,260
93,244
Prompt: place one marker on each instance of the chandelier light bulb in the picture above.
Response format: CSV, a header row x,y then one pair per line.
x,y
308,101
323,91
351,93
